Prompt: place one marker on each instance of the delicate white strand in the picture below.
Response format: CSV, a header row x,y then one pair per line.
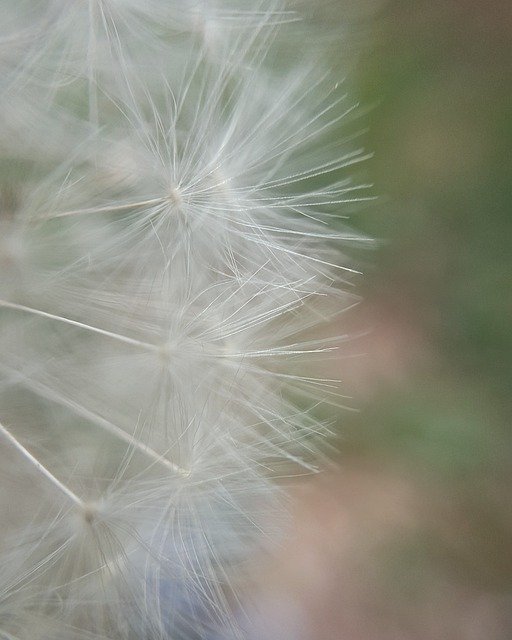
x,y
50,394
81,325
40,467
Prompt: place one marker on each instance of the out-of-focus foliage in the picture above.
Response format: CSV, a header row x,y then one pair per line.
x,y
412,538
440,75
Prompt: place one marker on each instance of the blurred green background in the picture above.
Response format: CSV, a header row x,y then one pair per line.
x,y
438,288
426,475
438,400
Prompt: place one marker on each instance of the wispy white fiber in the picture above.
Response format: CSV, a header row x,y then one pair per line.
x,y
174,176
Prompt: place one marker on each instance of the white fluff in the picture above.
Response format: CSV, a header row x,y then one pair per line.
x,y
172,266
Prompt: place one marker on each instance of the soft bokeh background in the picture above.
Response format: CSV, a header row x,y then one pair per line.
x,y
411,539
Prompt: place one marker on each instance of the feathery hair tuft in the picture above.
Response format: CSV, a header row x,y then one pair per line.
x,y
172,266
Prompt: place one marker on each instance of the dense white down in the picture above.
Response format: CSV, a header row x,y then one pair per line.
x,y
172,275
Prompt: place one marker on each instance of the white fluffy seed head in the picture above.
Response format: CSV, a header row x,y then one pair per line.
x,y
172,269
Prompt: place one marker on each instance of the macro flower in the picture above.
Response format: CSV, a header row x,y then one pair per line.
x,y
173,269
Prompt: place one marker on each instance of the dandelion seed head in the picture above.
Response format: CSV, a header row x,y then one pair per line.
x,y
171,274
